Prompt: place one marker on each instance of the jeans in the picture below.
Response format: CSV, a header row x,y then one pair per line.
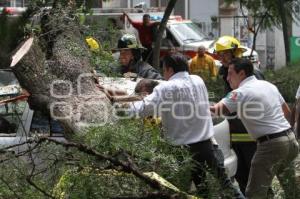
x,y
205,154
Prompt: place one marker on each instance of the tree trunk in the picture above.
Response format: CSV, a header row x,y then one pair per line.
x,y
162,27
281,8
55,69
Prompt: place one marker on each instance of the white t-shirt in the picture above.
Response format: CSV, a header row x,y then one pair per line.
x,y
298,93
182,103
259,106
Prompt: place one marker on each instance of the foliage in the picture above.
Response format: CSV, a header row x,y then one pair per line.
x,y
265,14
91,183
11,33
146,148
104,63
258,8
128,139
286,79
105,32
215,89
16,171
103,29
68,173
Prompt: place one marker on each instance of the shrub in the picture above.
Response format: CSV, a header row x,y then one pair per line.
x,y
287,79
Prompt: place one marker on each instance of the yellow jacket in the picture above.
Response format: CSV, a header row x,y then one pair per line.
x,y
204,66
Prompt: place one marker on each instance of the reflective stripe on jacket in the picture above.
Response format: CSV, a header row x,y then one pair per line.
x,y
241,137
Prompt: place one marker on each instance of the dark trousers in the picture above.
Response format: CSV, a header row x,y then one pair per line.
x,y
244,152
209,157
147,55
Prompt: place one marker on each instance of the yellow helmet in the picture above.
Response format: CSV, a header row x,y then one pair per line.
x,y
92,43
229,43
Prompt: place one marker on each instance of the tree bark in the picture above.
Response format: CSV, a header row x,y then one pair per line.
x,y
162,27
282,10
55,69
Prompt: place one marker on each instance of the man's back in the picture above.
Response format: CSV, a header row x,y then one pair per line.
x,y
260,113
184,108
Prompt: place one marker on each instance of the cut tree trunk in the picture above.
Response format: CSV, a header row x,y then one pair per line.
x,y
56,71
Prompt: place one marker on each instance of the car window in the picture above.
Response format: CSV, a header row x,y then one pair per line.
x,y
187,32
10,117
169,41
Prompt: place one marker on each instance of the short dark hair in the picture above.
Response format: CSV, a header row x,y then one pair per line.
x,y
243,64
148,84
176,61
146,15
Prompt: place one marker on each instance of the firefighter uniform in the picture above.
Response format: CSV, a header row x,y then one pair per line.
x,y
204,66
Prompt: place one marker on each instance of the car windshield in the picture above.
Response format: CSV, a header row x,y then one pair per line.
x,y
10,117
187,32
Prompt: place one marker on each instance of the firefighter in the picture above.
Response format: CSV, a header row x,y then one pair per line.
x,y
147,30
228,48
93,44
131,59
203,65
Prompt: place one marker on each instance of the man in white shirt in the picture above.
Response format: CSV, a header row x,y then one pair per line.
x,y
263,111
182,102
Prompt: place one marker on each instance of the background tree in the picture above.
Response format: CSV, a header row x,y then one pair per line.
x,y
162,28
267,14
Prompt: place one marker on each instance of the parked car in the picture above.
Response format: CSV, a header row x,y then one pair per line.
x,y
27,122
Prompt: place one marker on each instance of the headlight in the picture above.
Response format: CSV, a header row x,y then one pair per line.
x,y
253,58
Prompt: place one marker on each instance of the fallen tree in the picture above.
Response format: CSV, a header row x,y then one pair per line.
x,y
54,67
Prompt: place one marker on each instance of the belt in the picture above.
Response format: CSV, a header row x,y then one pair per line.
x,y
200,142
272,136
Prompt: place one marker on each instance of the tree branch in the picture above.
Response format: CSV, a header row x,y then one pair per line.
x,y
11,189
126,167
88,150
151,196
28,179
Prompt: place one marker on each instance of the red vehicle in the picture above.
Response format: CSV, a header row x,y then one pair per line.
x,y
180,35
